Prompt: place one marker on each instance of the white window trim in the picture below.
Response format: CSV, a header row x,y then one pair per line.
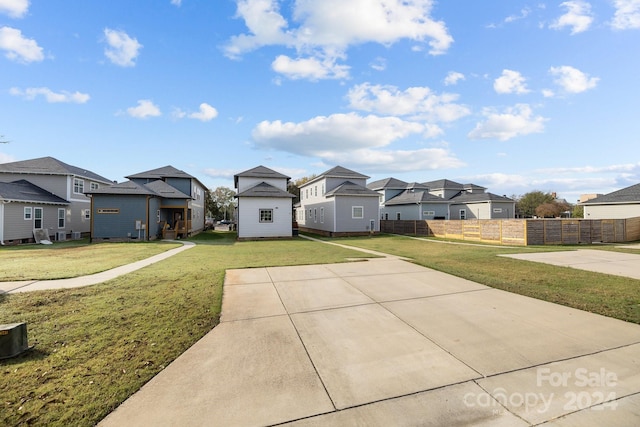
x,y
78,181
63,218
260,220
28,213
87,213
463,214
41,219
321,215
353,212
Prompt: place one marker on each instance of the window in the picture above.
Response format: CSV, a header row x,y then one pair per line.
x,y
94,186
158,216
87,213
109,211
315,190
315,214
28,213
322,215
61,216
429,213
497,210
386,216
266,215
398,216
37,215
78,185
463,214
357,212
323,189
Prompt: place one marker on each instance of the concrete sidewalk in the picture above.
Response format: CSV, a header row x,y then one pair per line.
x,y
615,263
386,342
75,282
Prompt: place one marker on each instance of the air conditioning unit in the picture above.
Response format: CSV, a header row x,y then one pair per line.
x,y
61,235
13,339
76,235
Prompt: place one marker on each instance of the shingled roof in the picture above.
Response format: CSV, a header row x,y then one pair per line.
x,y
24,191
264,189
626,195
259,172
153,188
349,188
49,166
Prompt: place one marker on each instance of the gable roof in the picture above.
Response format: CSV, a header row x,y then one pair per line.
x,y
626,195
155,188
259,172
24,191
49,166
387,183
409,197
349,188
264,189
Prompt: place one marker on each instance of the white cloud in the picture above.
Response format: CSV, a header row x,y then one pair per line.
x,y
220,173
326,29
395,161
122,49
206,113
19,48
572,80
578,16
453,78
7,158
51,96
380,64
414,101
338,132
145,109
523,14
309,68
627,15
176,2
14,8
510,82
514,121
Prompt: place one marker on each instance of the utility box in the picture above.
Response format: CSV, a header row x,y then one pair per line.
x,y
13,339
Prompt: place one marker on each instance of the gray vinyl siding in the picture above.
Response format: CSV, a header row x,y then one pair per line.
x,y
17,228
343,211
154,227
132,209
181,184
56,184
329,219
612,211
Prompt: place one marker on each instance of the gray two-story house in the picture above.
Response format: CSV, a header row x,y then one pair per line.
x,y
45,194
338,203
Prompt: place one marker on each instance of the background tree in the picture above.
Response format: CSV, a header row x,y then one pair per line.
x,y
577,211
221,204
526,204
551,209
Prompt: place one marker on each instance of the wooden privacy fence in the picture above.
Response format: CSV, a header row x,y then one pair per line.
x,y
522,232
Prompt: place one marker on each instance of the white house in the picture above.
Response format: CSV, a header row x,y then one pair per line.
x,y
265,208
338,202
619,204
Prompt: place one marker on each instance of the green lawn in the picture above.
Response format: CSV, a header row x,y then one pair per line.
x,y
97,345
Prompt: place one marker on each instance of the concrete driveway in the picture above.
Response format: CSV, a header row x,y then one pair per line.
x,y
386,342
615,263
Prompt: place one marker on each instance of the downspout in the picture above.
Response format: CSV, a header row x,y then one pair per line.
x,y
90,219
2,203
146,229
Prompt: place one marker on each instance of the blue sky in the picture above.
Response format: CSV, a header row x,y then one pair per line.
x,y
512,95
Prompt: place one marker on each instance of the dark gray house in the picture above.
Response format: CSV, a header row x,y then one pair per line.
x,y
161,203
54,201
